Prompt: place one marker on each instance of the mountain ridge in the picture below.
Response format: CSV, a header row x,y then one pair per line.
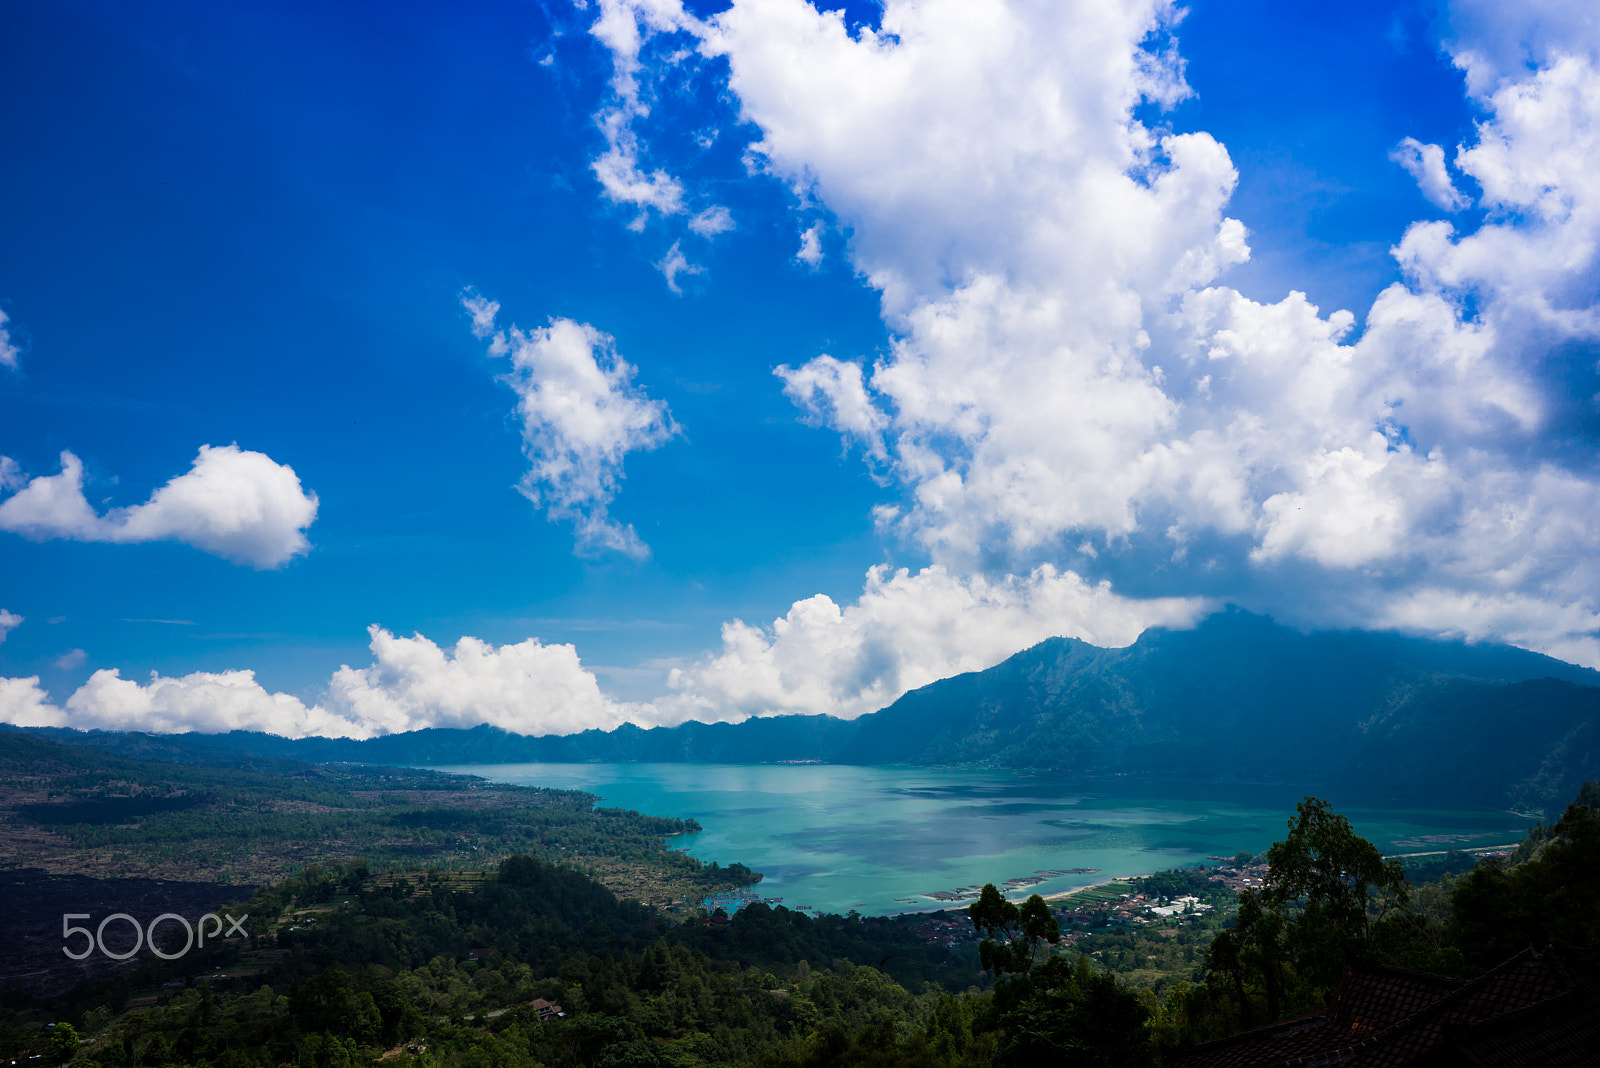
x,y
1236,697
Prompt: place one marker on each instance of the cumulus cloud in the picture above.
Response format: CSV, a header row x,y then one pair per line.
x,y
1020,223
905,630
1066,372
1065,368
54,507
1511,617
25,703
10,355
232,503
618,169
581,415
210,702
1425,163
72,660
527,688
1496,42
1533,267
9,621
412,684
978,139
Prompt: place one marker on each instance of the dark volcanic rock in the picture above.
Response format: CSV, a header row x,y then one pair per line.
x,y
32,903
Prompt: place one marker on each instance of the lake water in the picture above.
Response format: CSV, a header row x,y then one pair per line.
x,y
876,840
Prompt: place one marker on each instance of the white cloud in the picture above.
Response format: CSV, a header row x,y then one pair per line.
x,y
1533,267
1064,369
412,684
71,660
9,621
10,355
1494,42
905,630
11,476
621,175
209,702
1564,631
54,507
711,222
975,139
624,182
24,702
581,415
833,393
235,504
810,252
1425,163
526,688
675,263
483,312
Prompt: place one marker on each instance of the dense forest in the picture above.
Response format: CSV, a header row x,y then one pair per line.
x,y
539,964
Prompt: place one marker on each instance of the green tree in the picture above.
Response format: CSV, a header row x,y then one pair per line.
x,y
64,1043
1066,1013
1250,957
1553,898
1012,934
1330,884
1049,1010
1325,888
331,1003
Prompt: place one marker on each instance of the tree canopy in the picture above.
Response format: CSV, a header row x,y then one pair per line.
x,y
1325,888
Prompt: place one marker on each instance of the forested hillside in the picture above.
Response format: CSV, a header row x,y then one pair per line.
x,y
535,964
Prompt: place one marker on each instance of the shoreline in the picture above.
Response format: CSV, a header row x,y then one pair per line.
x,y
1090,886
1445,852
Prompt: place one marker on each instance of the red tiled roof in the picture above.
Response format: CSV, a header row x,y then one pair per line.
x,y
1279,1043
1525,980
1387,1017
545,1008
1377,997
1563,1032
1370,998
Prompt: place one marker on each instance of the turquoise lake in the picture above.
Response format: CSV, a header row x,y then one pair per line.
x,y
836,837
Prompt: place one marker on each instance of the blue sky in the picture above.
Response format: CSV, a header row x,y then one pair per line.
x,y
1040,349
